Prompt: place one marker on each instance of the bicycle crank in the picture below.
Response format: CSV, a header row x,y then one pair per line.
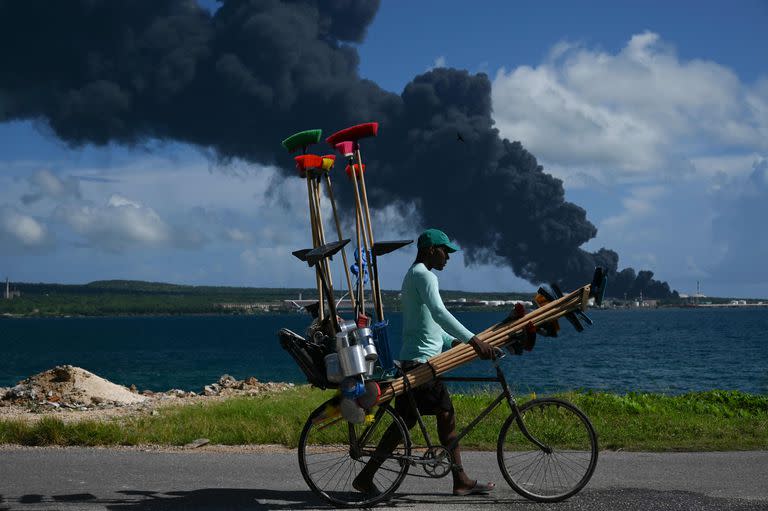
x,y
437,462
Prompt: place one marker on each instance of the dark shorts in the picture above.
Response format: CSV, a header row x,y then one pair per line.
x,y
431,398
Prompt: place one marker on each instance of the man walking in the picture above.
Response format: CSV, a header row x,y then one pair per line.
x,y
428,327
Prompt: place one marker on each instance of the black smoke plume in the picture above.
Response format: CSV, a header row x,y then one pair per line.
x,y
239,80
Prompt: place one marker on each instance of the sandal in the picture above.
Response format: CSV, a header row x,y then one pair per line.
x,y
478,489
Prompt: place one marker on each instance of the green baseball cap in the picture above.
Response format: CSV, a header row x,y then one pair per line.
x,y
434,238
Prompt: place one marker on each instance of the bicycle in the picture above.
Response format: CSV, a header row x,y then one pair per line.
x,y
558,442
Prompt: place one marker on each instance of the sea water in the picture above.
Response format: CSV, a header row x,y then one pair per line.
x,y
644,350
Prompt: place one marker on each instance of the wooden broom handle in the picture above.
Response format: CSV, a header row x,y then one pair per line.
x,y
338,231
312,221
374,277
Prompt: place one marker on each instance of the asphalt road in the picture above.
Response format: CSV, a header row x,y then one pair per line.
x,y
134,480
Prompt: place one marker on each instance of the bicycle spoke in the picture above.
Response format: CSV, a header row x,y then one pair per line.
x,y
530,468
545,471
528,465
332,469
534,475
332,475
379,479
349,475
331,460
561,476
573,465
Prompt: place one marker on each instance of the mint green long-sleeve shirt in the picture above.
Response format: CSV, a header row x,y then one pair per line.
x,y
428,327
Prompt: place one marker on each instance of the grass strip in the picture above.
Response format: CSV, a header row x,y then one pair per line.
x,y
702,421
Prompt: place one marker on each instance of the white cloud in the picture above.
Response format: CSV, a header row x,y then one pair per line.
x,y
21,233
153,205
235,234
276,266
733,165
46,184
121,224
634,115
709,230
663,144
439,62
640,204
117,201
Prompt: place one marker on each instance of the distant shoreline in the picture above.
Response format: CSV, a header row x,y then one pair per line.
x,y
122,298
731,305
143,315
7,315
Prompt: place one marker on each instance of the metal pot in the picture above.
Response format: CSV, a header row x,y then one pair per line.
x,y
364,337
352,360
347,327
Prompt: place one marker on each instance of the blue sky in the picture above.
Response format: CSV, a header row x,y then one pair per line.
x,y
654,114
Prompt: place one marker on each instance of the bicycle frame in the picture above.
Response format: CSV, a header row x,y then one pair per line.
x,y
506,394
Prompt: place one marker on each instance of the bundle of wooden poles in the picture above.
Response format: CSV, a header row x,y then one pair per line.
x,y
497,336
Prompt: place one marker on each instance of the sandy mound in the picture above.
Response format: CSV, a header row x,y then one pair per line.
x,y
71,386
73,394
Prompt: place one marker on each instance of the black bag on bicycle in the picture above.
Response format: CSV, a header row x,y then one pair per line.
x,y
309,356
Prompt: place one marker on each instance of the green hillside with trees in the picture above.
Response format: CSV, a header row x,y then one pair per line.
x,y
128,297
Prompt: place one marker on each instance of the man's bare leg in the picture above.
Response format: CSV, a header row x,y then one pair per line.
x,y
446,430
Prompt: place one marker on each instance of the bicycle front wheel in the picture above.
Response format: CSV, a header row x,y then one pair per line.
x,y
332,452
565,463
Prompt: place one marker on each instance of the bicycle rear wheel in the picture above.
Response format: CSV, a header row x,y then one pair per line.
x,y
332,452
564,467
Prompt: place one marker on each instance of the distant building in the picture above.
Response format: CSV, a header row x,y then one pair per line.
x,y
248,307
8,294
464,302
